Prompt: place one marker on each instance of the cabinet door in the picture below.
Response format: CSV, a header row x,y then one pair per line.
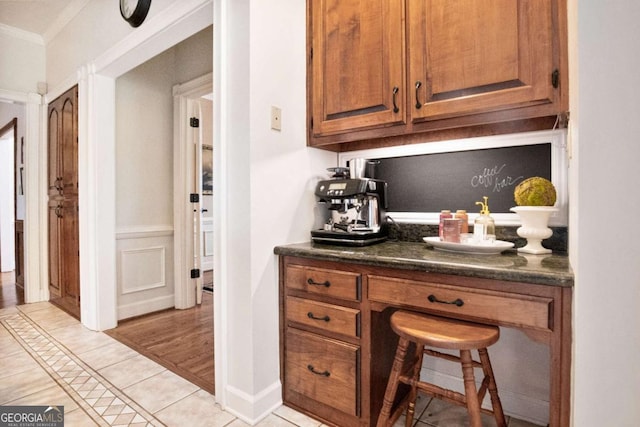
x,y
322,369
469,56
53,129
69,143
55,250
70,249
357,64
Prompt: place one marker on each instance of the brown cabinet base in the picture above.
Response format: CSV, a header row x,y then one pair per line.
x,y
370,353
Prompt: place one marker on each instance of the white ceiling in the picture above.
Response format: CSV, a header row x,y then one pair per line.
x,y
38,20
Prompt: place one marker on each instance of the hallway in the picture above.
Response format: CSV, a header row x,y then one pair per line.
x,y
48,357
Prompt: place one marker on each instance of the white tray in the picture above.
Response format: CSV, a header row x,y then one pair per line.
x,y
469,248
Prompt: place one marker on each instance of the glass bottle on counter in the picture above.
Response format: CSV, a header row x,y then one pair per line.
x,y
484,228
444,214
464,220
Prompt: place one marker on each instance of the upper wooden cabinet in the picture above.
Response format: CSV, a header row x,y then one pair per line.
x,y
456,64
467,56
357,64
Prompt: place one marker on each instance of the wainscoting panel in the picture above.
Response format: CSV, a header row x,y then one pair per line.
x,y
142,269
145,270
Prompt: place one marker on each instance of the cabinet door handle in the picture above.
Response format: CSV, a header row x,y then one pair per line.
x,y
395,105
326,284
310,315
457,302
312,369
418,86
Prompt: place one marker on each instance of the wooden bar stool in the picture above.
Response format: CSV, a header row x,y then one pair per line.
x,y
425,330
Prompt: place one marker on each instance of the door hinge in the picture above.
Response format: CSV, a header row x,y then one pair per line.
x,y
194,198
195,273
194,122
311,123
555,78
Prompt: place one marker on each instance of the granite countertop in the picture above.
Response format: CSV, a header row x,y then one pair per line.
x,y
552,269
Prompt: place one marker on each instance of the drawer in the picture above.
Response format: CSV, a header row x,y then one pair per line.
x,y
322,369
338,284
328,317
507,308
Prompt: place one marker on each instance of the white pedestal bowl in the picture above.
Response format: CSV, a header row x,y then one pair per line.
x,y
535,220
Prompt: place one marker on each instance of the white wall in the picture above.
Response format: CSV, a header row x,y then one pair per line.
x,y
93,31
605,115
268,182
23,63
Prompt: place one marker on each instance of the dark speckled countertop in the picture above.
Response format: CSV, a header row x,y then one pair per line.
x,y
552,269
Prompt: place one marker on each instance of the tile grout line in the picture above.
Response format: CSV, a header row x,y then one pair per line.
x,y
102,401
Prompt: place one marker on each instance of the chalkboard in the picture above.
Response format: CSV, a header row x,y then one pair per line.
x,y
456,180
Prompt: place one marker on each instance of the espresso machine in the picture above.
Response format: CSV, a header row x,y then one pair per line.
x,y
356,207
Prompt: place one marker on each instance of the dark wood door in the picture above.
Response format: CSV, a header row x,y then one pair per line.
x,y
64,258
20,252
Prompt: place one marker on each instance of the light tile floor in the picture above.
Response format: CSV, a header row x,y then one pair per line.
x,y
48,358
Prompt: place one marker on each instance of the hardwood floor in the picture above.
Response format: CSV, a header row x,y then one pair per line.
x,y
10,293
179,340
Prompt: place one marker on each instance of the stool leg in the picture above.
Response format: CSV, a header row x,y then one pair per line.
x,y
493,388
470,391
392,385
413,394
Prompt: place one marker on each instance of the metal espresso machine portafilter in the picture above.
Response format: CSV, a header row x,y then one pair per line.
x,y
356,210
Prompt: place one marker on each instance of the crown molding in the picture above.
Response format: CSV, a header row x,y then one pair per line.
x,y
17,33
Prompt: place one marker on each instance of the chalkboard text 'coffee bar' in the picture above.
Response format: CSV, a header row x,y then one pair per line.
x,y
456,180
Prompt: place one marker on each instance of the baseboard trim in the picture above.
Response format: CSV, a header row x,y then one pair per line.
x,y
252,409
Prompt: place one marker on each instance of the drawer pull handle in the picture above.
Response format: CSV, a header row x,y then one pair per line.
x,y
310,315
458,302
395,106
314,283
312,369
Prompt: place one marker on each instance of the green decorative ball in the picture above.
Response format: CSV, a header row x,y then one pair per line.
x,y
535,191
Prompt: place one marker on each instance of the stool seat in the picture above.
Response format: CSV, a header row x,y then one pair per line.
x,y
443,333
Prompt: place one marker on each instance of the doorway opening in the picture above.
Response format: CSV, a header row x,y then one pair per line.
x,y
163,310
11,213
181,339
